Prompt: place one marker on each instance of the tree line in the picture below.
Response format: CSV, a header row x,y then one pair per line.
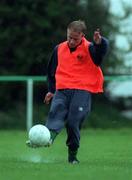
x,y
30,29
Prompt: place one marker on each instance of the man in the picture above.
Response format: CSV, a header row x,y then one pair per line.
x,y
74,73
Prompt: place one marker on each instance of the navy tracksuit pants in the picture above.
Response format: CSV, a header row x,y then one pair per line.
x,y
69,108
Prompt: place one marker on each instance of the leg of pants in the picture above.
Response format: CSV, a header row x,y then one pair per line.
x,y
58,112
80,105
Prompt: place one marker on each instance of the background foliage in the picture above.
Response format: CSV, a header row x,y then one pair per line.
x,y
30,29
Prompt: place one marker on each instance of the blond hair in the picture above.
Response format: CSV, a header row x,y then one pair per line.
x,y
78,26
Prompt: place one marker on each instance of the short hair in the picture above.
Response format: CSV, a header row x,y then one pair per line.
x,y
78,26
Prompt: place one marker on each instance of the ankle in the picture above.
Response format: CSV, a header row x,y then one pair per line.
x,y
53,135
72,156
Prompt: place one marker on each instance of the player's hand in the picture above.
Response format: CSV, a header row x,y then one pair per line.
x,y
97,37
48,97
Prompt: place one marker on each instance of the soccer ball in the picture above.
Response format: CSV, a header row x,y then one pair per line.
x,y
39,135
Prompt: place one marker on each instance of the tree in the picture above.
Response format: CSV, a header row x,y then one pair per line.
x,y
97,15
30,29
124,34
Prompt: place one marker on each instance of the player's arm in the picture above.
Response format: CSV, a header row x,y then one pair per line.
x,y
98,48
52,65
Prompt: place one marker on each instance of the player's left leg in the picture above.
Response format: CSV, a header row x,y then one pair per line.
x,y
79,107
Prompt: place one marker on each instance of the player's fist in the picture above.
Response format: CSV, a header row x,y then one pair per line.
x,y
97,37
48,97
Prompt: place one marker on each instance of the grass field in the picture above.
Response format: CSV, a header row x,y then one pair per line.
x,y
103,155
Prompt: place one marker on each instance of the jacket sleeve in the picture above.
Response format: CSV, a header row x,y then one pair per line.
x,y
98,51
52,65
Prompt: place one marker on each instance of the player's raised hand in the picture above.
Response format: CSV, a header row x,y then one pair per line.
x,y
97,36
48,97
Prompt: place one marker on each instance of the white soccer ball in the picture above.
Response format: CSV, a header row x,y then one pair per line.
x,y
39,135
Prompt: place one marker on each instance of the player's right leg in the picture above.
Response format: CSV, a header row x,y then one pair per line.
x,y
57,114
56,117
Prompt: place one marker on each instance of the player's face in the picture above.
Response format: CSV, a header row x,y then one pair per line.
x,y
74,38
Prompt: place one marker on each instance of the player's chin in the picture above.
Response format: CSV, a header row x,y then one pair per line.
x,y
72,46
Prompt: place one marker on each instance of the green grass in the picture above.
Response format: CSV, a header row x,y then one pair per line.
x,y
103,155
